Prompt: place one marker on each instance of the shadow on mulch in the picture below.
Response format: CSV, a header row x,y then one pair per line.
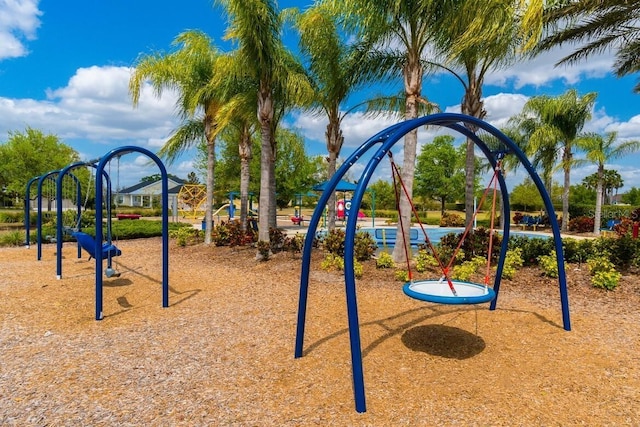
x,y
444,341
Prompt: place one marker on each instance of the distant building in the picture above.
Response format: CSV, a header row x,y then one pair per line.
x,y
147,194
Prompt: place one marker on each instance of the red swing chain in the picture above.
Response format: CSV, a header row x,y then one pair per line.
x,y
447,269
492,182
395,173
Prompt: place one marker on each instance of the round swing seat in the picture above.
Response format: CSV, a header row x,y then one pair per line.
x,y
439,292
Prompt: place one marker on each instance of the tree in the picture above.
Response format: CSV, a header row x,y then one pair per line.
x,y
192,178
478,41
29,154
599,151
395,36
632,197
440,170
597,25
552,125
191,71
336,73
278,79
526,197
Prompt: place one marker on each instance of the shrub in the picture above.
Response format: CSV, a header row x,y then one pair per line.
x,y
13,238
335,262
467,269
364,246
532,249
451,220
623,251
578,251
517,217
425,261
385,260
512,262
402,275
294,244
581,224
475,244
603,273
549,264
334,242
186,236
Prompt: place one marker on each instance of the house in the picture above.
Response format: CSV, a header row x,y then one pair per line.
x,y
147,194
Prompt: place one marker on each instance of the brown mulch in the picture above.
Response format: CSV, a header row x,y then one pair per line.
x,y
222,353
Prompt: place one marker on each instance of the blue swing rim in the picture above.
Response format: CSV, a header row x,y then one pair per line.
x,y
452,299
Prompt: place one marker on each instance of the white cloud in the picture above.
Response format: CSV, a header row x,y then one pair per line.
x,y
541,70
95,107
19,20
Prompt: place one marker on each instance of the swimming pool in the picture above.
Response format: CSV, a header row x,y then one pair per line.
x,y
386,236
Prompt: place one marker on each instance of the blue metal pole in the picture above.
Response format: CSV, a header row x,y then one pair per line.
x,y
39,220
99,226
27,211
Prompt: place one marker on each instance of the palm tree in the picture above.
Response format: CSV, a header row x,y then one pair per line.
x,y
279,82
190,70
396,34
552,125
598,25
500,34
336,73
599,151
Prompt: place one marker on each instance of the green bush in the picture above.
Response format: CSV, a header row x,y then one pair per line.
x,y
451,220
425,261
402,275
467,269
335,262
364,246
603,273
12,238
532,248
186,236
549,264
578,250
623,251
334,242
512,262
12,217
385,260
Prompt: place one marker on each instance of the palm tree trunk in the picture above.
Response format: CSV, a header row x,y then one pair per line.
x,y
244,149
211,161
335,140
273,222
565,191
413,84
472,105
597,218
265,116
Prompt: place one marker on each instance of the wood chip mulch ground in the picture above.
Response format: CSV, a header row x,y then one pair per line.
x,y
222,353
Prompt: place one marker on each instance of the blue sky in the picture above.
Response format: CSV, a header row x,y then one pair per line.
x,y
65,67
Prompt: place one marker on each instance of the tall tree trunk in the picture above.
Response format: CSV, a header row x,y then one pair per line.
x,y
244,150
335,139
273,222
472,105
598,214
413,85
265,116
209,128
566,162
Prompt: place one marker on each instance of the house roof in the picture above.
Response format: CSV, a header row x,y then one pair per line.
x,y
174,186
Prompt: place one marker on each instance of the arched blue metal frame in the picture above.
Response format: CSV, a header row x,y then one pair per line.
x,y
41,180
117,152
386,139
27,211
59,229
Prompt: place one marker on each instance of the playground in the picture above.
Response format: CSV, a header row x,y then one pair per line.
x,y
222,352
